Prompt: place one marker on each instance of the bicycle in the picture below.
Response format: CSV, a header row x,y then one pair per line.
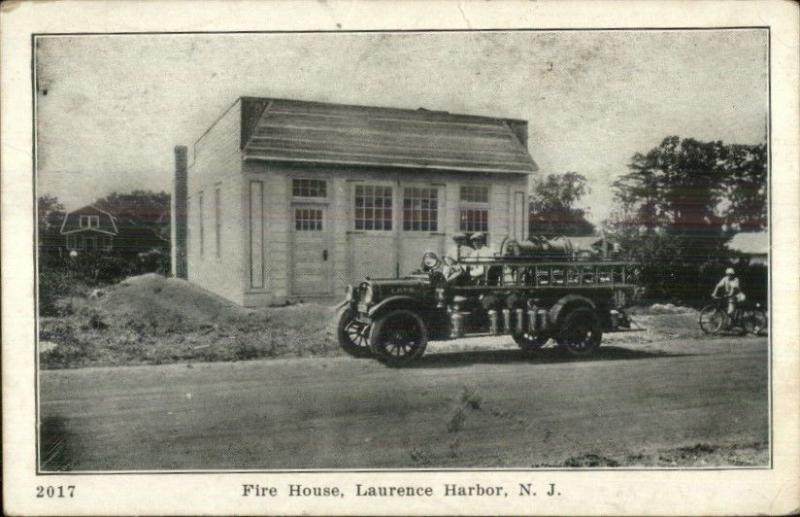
x,y
748,317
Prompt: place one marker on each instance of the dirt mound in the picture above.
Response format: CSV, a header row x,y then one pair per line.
x,y
168,304
660,308
150,319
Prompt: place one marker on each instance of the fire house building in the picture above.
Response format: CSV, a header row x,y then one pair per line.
x,y
293,200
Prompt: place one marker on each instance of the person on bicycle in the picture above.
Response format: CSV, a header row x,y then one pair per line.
x,y
730,289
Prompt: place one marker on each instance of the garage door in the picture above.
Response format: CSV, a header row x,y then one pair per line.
x,y
392,226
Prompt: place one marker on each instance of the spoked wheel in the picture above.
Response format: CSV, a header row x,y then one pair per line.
x,y
713,319
530,342
398,338
580,334
755,322
353,336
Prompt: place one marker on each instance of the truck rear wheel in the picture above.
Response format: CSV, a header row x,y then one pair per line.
x,y
353,336
530,342
580,333
398,338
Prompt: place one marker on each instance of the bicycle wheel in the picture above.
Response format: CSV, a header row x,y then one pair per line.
x,y
712,319
755,322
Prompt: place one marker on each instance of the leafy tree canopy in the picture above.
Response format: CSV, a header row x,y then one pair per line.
x,y
142,206
552,206
50,213
139,209
682,200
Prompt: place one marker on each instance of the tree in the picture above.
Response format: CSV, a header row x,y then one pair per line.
x,y
745,187
143,221
144,206
681,202
50,215
141,209
552,209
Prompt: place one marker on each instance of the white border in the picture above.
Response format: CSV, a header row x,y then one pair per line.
x,y
608,492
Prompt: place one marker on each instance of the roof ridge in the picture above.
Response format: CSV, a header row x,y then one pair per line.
x,y
420,109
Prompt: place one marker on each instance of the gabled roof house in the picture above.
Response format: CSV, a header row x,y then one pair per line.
x,y
292,200
89,229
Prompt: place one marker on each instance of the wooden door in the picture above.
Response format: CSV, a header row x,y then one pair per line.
x,y
311,253
372,238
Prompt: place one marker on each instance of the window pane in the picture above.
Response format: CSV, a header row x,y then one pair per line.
x,y
308,219
474,220
420,209
309,188
474,194
373,207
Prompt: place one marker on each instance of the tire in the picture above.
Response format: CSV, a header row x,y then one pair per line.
x,y
530,342
353,336
398,338
580,333
712,319
755,322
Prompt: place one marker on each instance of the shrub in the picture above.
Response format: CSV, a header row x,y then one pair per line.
x,y
70,351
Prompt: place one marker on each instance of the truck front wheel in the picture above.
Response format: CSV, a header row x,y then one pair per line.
x,y
398,338
353,336
580,333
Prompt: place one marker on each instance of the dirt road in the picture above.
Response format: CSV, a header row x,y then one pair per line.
x,y
485,408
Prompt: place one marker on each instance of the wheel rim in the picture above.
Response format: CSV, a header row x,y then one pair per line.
x,y
756,323
712,319
357,334
579,336
530,341
400,337
717,320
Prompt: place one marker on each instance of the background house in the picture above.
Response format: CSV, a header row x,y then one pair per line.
x,y
753,247
294,200
89,229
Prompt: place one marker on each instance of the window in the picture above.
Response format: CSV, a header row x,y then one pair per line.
x,y
309,188
200,222
217,223
308,219
474,194
89,221
421,209
474,209
474,220
373,210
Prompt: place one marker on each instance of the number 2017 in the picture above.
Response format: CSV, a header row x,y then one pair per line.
x,y
55,491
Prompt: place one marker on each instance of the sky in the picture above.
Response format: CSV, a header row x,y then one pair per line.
x,y
110,109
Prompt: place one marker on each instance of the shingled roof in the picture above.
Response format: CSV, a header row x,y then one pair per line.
x,y
314,132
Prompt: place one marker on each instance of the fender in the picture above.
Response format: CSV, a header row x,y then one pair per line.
x,y
568,301
392,300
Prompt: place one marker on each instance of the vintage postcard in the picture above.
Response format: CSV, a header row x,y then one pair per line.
x,y
400,258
